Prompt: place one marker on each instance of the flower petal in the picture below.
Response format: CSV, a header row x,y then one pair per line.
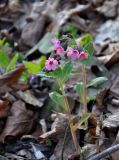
x,y
83,55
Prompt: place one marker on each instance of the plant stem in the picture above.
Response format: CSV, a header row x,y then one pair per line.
x,y
64,141
84,90
69,116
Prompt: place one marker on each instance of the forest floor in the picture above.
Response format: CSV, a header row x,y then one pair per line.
x,y
32,127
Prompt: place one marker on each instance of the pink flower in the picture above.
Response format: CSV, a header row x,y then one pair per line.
x,y
59,50
83,55
73,54
51,64
55,42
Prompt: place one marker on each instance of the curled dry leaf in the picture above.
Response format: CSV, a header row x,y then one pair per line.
x,y
19,123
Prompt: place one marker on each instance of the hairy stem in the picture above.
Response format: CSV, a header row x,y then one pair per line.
x,y
84,90
69,116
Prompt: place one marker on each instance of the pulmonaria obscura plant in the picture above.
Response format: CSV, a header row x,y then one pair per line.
x,y
66,49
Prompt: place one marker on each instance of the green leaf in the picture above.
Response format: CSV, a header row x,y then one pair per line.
x,y
58,73
84,118
12,63
87,44
4,60
89,48
41,62
66,71
57,98
46,74
33,68
2,41
71,43
61,74
91,94
24,76
97,81
89,60
79,89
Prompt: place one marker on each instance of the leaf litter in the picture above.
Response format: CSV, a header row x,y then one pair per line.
x,y
31,24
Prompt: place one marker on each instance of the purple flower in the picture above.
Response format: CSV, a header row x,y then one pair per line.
x,y
55,42
59,50
51,64
83,55
73,54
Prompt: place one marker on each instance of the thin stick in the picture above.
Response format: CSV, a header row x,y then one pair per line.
x,y
105,153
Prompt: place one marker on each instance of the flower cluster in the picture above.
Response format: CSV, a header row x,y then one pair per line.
x,y
51,64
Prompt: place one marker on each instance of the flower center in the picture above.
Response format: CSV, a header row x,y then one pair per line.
x,y
75,52
51,62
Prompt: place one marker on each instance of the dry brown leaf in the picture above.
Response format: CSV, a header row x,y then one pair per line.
x,y
109,60
58,127
12,77
4,89
115,87
69,149
100,98
3,108
109,8
29,98
21,86
19,123
111,121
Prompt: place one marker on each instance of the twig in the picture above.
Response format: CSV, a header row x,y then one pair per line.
x,y
105,153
